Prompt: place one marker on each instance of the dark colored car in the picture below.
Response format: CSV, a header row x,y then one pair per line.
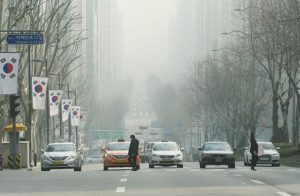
x,y
216,153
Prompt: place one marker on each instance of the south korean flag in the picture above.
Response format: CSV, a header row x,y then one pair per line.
x,y
39,87
9,64
54,100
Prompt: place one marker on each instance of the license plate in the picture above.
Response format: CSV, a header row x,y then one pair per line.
x,y
58,163
264,159
218,159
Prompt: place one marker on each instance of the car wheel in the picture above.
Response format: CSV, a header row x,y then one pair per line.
x,y
105,168
44,169
151,165
276,165
232,165
138,167
202,165
179,166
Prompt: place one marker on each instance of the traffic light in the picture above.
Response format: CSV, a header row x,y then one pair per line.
x,y
14,103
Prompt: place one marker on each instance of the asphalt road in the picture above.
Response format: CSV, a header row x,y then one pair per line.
x,y
161,181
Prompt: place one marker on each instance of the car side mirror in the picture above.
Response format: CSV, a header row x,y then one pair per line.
x,y
278,148
234,149
199,148
182,149
42,151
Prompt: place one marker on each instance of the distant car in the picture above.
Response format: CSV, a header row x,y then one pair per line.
x,y
270,155
216,153
148,148
166,154
60,155
93,159
115,154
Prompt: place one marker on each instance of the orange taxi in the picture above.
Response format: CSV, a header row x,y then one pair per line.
x,y
115,154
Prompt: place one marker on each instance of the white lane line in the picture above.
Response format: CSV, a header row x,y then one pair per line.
x,y
171,170
257,182
125,175
123,180
120,189
283,194
238,175
127,172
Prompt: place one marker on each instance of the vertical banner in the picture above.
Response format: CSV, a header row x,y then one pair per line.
x,y
39,87
9,63
65,108
54,100
75,115
82,118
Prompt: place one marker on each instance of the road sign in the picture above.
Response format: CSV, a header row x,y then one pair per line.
x,y
29,39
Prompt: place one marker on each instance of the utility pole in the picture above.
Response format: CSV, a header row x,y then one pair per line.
x,y
76,129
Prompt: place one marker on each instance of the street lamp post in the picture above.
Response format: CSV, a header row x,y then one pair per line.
x,y
47,100
60,112
76,129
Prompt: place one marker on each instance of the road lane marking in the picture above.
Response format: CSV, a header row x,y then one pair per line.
x,y
127,172
257,182
123,180
238,175
120,189
171,170
283,194
125,175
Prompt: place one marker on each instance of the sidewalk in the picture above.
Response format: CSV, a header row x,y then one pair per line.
x,y
35,168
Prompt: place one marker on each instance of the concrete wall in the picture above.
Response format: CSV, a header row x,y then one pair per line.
x,y
23,150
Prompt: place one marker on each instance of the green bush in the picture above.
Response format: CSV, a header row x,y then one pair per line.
x,y
287,152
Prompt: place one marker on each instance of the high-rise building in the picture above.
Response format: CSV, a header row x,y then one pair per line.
x,y
102,24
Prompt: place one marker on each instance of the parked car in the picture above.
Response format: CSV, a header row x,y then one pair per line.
x,y
93,159
216,153
270,154
166,154
59,156
115,154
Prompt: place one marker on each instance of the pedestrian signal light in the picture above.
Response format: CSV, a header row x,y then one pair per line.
x,y
14,103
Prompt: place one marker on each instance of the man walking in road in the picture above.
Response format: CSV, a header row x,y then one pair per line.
x,y
253,151
133,152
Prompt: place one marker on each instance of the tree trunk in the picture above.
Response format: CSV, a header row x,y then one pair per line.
x,y
296,130
276,133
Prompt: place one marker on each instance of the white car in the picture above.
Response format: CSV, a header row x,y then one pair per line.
x,y
93,159
270,154
61,155
166,154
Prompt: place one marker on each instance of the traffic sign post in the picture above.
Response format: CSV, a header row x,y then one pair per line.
x,y
25,38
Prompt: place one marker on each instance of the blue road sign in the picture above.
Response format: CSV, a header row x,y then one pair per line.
x,y
29,39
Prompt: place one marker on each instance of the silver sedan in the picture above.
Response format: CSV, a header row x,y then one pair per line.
x,y
59,156
270,154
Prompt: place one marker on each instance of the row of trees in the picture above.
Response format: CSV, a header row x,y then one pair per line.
x,y
60,22
251,81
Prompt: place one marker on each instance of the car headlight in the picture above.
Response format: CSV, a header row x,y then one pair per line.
x,y
71,157
154,155
205,155
46,158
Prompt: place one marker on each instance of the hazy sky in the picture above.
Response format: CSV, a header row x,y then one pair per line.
x,y
145,34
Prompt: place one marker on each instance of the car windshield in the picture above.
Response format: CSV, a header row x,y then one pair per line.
x,y
267,146
118,146
217,146
60,148
165,147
